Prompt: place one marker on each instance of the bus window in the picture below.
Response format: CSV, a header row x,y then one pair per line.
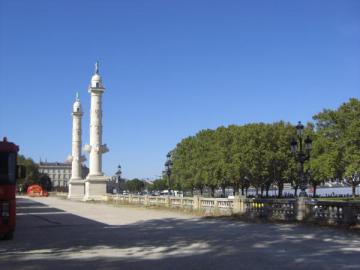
x,y
7,168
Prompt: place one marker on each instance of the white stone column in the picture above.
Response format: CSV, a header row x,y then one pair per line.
x,y
76,183
96,133
95,183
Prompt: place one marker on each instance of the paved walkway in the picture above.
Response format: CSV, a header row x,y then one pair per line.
x,y
54,233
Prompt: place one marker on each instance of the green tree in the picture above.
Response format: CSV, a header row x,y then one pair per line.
x,y
322,163
160,184
258,154
341,128
45,181
135,185
32,173
279,154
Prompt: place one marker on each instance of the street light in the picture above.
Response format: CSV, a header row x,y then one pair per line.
x,y
168,170
118,176
300,155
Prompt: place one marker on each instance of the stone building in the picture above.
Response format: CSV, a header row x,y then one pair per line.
x,y
59,173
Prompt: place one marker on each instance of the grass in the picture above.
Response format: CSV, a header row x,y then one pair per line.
x,y
340,199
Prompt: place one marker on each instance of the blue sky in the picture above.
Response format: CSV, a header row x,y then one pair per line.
x,y
171,68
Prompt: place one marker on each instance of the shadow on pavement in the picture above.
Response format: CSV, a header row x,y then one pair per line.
x,y
54,239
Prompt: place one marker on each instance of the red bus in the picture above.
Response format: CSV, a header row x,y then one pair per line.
x,y
8,175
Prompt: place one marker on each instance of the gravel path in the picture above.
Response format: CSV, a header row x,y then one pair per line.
x,y
54,233
107,213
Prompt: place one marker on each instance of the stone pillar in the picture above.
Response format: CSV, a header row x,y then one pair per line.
x,y
76,183
96,133
196,205
239,205
349,213
95,183
301,211
146,200
167,201
216,210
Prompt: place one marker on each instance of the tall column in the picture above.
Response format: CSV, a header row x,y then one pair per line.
x,y
76,183
96,133
95,183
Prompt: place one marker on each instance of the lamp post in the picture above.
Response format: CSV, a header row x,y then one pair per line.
x,y
301,155
168,170
118,176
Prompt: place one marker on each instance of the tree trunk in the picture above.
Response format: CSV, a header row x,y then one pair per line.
x,y
212,195
201,190
236,190
262,190
223,191
281,188
296,189
353,186
314,190
242,191
267,192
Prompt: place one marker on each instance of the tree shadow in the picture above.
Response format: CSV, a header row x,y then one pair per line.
x,y
59,240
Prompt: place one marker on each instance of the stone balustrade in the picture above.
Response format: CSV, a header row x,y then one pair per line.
x,y
273,209
207,205
337,213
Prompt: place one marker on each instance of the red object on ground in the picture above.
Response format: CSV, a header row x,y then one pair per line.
x,y
36,191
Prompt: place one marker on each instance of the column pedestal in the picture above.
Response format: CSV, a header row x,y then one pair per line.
x,y
95,188
301,213
76,189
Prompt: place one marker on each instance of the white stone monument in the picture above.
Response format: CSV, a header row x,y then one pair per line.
x,y
95,182
76,183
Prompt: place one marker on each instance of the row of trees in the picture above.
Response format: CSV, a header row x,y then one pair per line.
x,y
33,176
258,154
135,185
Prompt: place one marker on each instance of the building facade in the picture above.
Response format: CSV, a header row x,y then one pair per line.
x,y
60,173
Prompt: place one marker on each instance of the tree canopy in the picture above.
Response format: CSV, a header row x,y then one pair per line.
x,y
338,133
33,176
259,155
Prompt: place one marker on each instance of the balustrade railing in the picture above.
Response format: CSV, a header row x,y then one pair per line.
x,y
277,209
334,212
329,212
188,202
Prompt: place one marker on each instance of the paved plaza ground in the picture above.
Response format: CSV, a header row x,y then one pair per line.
x,y
53,233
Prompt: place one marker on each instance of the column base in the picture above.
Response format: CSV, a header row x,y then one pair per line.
x,y
76,189
95,188
301,209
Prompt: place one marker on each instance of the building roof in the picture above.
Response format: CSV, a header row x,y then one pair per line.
x,y
41,163
57,164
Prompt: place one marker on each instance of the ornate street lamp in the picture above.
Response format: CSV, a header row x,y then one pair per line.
x,y
168,170
301,155
118,176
